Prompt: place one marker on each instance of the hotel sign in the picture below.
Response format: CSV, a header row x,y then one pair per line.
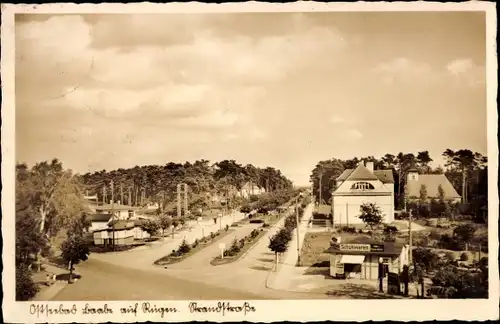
x,y
355,247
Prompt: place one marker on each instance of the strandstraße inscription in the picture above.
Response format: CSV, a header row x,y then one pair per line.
x,y
221,307
145,308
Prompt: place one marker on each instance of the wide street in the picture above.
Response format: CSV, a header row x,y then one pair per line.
x,y
131,275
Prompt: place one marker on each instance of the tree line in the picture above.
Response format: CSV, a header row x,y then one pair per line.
x,y
50,200
466,170
158,183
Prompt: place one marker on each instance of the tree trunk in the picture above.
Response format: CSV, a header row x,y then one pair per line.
x,y
464,194
43,214
276,259
70,272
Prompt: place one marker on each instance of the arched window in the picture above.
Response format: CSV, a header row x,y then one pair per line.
x,y
362,186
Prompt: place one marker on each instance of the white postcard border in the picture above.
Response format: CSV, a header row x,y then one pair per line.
x,y
265,311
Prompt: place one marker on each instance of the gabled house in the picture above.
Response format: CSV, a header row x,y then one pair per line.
x,y
99,221
120,211
432,182
250,188
363,185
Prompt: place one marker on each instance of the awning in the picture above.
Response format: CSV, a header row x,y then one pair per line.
x,y
352,259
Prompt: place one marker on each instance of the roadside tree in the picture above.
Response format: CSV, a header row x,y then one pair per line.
x,y
164,222
151,227
371,215
74,250
278,243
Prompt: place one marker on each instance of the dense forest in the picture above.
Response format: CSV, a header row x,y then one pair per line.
x,y
158,183
466,170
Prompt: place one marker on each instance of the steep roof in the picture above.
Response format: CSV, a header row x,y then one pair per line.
x,y
361,173
384,175
432,182
99,217
344,175
114,207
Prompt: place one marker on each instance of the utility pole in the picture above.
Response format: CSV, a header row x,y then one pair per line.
x,y
410,238
113,212
179,211
297,220
320,186
185,199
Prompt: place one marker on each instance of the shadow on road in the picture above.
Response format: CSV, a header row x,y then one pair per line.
x,y
357,292
265,260
260,268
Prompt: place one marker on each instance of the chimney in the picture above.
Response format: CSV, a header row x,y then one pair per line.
x,y
369,166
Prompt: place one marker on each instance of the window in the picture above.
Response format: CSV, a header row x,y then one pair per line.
x,y
362,186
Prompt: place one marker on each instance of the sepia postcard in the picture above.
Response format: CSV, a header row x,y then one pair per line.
x,y
249,161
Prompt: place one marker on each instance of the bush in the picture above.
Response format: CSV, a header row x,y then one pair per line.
x,y
25,287
246,208
450,243
184,247
265,225
466,284
449,256
227,228
256,221
212,235
348,229
464,256
254,233
195,243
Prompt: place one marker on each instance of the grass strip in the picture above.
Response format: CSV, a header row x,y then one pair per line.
x,y
169,259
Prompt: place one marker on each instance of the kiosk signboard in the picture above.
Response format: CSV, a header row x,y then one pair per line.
x,y
355,247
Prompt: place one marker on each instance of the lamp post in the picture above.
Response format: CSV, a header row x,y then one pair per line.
x,y
297,220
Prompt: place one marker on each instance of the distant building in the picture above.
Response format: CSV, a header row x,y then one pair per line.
x,y
124,232
363,185
99,221
250,188
120,211
431,182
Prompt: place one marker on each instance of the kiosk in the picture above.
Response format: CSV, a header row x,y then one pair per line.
x,y
359,258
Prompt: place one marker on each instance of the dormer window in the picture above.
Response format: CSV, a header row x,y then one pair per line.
x,y
362,186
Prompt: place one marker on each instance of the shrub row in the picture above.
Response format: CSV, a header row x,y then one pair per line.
x,y
185,248
238,245
269,201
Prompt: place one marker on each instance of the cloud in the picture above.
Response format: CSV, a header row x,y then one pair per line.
x,y
460,66
402,69
353,134
466,72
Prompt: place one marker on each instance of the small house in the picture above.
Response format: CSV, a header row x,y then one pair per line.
x,y
432,183
123,233
122,212
359,258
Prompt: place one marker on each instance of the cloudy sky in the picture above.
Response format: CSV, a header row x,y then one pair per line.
x,y
280,89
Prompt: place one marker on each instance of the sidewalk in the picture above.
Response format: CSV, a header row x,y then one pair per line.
x,y
144,257
287,269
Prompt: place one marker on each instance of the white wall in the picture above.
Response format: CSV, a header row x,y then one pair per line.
x,y
349,206
98,225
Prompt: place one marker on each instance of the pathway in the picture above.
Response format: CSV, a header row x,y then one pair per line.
x,y
203,257
287,267
144,257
